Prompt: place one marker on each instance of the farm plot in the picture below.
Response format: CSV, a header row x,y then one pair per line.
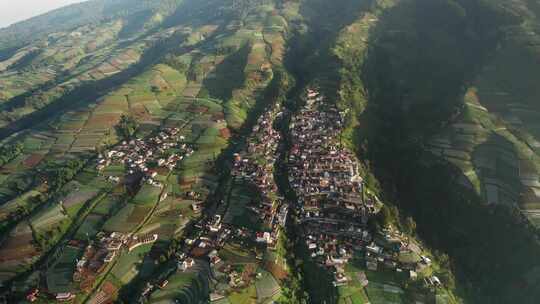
x,y
237,212
33,160
25,200
173,78
186,287
147,195
14,165
247,295
72,121
17,251
236,254
60,276
90,227
267,287
75,200
352,294
49,225
384,293
106,205
127,219
126,267
48,218
170,216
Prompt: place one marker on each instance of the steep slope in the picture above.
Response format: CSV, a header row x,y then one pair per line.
x,y
173,74
441,146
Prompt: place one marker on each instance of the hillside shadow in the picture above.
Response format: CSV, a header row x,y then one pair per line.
x,y
496,163
228,75
422,56
309,54
79,97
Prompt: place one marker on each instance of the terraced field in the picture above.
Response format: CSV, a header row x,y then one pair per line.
x,y
495,141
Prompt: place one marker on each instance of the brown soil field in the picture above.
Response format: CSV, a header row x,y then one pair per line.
x,y
277,271
225,133
18,247
138,214
197,109
33,160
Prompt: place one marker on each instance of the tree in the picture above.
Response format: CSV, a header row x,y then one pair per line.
x,y
384,217
127,127
410,226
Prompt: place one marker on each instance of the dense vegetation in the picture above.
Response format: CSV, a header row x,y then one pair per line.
x,y
423,55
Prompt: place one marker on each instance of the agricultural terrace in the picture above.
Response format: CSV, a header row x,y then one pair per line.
x,y
106,62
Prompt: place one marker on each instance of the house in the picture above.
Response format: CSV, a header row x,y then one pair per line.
x,y
196,207
137,241
110,256
374,249
163,284
363,279
214,297
263,237
64,296
32,295
215,227
186,264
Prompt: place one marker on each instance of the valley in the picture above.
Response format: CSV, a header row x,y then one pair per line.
x,y
270,151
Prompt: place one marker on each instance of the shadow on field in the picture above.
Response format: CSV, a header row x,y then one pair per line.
x,y
422,57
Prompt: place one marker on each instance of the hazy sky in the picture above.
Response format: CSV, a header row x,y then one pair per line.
x,y
12,11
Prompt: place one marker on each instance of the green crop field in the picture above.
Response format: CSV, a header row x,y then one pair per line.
x,y
59,277
266,286
237,212
119,222
126,267
147,195
90,227
48,217
106,205
247,295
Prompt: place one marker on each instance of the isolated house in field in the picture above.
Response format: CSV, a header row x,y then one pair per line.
x,y
186,264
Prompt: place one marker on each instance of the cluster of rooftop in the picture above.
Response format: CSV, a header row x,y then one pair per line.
x,y
102,251
333,204
255,166
213,234
142,156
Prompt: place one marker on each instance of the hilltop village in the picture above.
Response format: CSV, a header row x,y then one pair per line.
x,y
334,206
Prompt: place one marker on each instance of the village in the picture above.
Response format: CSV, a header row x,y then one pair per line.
x,y
334,205
143,157
217,233
333,208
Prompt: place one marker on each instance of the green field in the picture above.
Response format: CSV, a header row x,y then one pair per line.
x,y
147,195
126,267
60,276
90,227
